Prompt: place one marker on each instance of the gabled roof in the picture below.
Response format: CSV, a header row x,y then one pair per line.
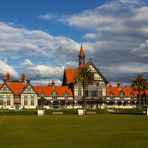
x,y
61,90
47,90
70,75
117,90
128,91
1,84
16,87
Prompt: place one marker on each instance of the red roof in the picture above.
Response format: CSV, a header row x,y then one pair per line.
x,y
116,91
70,75
47,90
81,53
126,90
1,85
16,87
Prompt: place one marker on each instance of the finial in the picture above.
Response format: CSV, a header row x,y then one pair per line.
x,y
28,79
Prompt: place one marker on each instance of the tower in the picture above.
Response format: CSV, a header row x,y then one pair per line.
x,y
81,57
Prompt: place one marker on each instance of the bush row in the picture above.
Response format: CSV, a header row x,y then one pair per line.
x,y
136,111
74,111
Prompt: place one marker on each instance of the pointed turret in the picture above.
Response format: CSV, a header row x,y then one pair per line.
x,y
81,53
81,57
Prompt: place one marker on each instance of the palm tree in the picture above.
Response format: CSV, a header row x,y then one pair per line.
x,y
139,84
85,77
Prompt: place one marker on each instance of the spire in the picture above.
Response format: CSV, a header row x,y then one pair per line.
x,y
81,53
81,57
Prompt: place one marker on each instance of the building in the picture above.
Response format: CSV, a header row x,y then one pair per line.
x,y
17,95
22,94
94,92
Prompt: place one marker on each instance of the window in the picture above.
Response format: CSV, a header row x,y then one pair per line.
x,y
29,89
25,101
54,95
122,96
112,96
32,97
25,97
132,96
94,93
8,100
86,93
5,88
1,101
79,93
66,96
32,101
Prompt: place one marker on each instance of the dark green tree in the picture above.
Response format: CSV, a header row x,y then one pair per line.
x,y
42,101
139,84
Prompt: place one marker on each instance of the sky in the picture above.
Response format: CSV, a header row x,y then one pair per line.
x,y
43,37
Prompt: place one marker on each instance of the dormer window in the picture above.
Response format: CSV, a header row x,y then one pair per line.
x,y
54,95
132,96
122,96
66,96
1,99
5,88
112,96
29,89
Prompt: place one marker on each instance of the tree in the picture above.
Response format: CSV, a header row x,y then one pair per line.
x,y
139,84
85,77
42,101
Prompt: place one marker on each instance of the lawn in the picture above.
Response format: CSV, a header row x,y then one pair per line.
x,y
72,131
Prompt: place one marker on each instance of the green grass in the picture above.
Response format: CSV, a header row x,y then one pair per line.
x,y
72,131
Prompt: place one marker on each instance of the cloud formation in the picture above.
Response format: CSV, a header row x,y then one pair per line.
x,y
42,71
5,68
114,35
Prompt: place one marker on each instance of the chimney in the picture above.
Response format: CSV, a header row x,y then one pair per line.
x,y
22,77
49,83
28,79
53,84
6,77
118,84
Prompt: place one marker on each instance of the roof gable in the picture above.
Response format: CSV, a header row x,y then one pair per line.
x,y
28,89
95,69
5,89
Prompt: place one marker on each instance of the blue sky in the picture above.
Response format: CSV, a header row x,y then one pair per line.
x,y
42,37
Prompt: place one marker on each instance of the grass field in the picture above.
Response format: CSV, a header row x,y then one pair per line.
x,y
72,131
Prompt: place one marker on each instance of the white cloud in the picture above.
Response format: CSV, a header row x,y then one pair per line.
x,y
34,42
132,68
27,63
90,36
5,68
41,71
